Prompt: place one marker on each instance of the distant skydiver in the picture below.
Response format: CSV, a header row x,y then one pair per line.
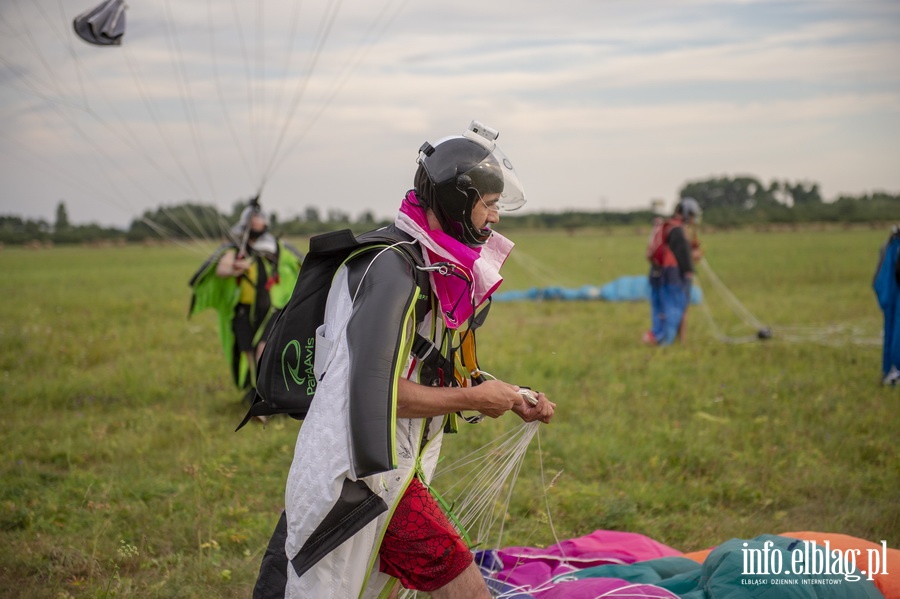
x,y
247,281
672,252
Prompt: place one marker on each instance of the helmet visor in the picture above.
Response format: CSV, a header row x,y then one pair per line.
x,y
495,174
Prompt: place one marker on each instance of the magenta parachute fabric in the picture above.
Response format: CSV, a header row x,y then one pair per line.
x,y
533,566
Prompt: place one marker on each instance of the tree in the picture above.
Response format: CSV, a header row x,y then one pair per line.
x,y
803,196
62,218
312,215
739,193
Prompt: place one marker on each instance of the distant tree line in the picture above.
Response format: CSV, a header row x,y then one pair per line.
x,y
736,202
745,200
196,221
17,231
726,202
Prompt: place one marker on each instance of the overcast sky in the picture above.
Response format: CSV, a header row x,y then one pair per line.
x,y
600,104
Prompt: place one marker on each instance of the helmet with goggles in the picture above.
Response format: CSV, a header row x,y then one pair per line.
x,y
459,171
688,207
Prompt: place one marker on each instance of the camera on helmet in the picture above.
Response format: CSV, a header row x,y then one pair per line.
x,y
483,130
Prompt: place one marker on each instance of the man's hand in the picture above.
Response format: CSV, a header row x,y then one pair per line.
x,y
241,266
492,398
542,410
495,398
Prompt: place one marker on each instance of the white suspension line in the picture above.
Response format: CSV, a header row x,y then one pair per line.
x,y
36,49
62,174
322,34
534,268
133,141
740,309
61,102
834,334
288,59
187,98
222,101
251,108
349,68
259,67
79,67
475,495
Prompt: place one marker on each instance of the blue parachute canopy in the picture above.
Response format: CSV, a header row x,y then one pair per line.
x,y
633,288
103,25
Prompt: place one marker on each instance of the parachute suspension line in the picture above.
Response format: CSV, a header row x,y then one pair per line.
x,y
222,101
534,268
715,330
117,194
65,175
187,100
835,334
483,475
151,110
33,84
165,233
545,488
321,38
79,66
67,43
739,308
288,60
134,141
350,66
54,81
148,104
33,88
251,109
732,301
259,68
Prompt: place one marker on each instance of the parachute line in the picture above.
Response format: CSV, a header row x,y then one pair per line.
x,y
321,38
834,334
357,58
187,99
221,93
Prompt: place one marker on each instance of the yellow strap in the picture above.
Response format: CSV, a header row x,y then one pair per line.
x,y
467,354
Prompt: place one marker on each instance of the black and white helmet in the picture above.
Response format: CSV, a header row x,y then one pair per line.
x,y
457,171
688,207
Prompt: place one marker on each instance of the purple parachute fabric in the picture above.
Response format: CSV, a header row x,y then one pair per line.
x,y
540,573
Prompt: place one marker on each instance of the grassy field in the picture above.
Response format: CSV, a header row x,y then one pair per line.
x,y
122,476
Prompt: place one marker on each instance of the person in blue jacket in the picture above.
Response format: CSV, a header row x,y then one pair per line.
x,y
887,280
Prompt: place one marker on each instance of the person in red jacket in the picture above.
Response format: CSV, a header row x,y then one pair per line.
x,y
672,252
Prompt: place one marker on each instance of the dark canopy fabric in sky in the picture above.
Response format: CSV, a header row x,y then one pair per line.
x,y
103,25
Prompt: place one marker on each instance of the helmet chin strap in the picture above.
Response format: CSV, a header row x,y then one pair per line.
x,y
479,236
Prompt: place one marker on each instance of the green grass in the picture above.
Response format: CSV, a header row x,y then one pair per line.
x,y
122,476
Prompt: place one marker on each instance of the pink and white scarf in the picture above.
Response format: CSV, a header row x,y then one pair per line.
x,y
479,265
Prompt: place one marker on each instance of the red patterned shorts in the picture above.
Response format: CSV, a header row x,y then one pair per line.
x,y
420,547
